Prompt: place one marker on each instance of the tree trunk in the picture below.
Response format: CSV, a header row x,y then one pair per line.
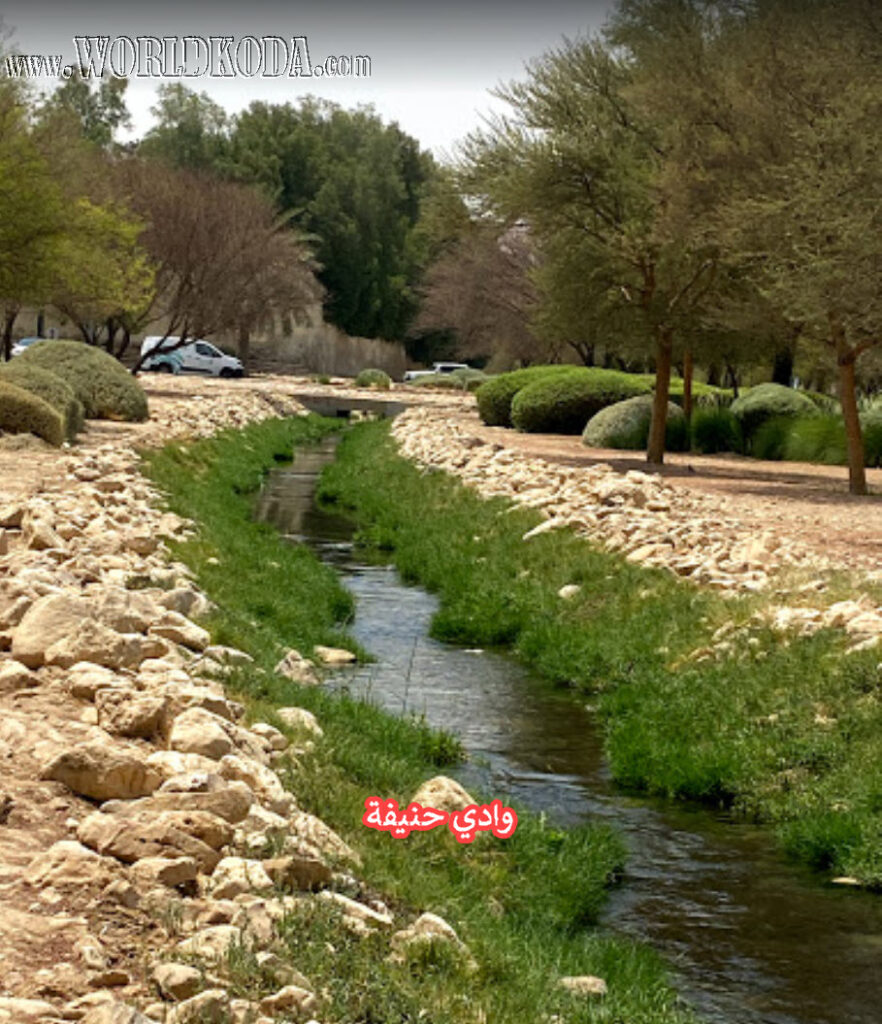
x,y
244,345
782,368
845,358
8,323
124,344
655,452
687,385
733,379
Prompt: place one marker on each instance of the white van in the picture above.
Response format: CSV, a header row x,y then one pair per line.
x,y
195,357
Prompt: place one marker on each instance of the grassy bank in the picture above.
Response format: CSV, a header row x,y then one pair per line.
x,y
789,731
526,907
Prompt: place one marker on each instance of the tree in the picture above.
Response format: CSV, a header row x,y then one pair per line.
x,y
191,130
97,104
782,120
32,221
590,172
222,257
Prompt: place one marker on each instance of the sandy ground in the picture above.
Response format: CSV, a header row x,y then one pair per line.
x,y
797,499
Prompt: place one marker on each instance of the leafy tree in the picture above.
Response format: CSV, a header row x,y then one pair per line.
x,y
97,104
191,129
589,171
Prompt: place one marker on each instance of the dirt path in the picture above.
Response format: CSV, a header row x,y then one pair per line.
x,y
807,502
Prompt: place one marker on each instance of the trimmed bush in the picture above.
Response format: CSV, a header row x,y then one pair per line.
x,y
817,439
373,379
22,412
456,380
626,425
106,389
564,403
826,403
767,402
715,430
495,397
51,388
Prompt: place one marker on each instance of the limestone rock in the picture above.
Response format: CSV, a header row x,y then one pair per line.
x,y
177,981
85,679
209,1007
197,731
584,985
235,875
180,630
354,909
443,794
69,864
230,801
321,837
103,771
212,943
333,655
15,676
269,733
298,872
126,712
295,666
262,781
300,719
171,872
132,836
291,1001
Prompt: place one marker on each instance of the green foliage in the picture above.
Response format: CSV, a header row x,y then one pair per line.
x,y
768,401
626,425
105,388
770,440
742,730
355,183
22,412
521,905
715,430
97,104
564,403
457,380
496,395
816,439
873,443
374,379
51,388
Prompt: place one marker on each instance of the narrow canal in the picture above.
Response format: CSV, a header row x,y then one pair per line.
x,y
750,938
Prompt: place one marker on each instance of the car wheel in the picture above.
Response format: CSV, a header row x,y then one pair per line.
x,y
164,368
226,372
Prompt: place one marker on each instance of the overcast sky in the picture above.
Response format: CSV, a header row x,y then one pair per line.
x,y
432,67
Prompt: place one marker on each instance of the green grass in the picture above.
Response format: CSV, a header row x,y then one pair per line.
x,y
526,907
786,730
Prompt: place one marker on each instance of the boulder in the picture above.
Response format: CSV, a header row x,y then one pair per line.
x,y
442,794
212,943
262,781
209,1007
177,981
103,771
15,676
584,985
321,837
69,864
298,872
133,836
236,875
230,801
300,719
126,712
290,1001
197,731
150,872
180,630
85,679
333,655
48,620
295,666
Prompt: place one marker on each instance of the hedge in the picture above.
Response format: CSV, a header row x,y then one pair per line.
x,y
22,412
563,403
767,402
106,389
626,425
495,397
715,430
373,379
51,388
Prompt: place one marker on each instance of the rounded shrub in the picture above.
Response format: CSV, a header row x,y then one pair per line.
x,y
767,402
715,430
626,425
496,395
373,379
51,388
106,389
22,412
816,439
564,403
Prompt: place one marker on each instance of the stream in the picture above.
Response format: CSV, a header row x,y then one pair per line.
x,y
750,937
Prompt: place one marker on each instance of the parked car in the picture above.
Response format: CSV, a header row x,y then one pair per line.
x,y
195,357
437,368
24,343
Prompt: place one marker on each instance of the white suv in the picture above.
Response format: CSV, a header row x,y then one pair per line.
x,y
436,369
196,357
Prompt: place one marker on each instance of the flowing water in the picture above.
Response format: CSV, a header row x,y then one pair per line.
x,y
750,938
